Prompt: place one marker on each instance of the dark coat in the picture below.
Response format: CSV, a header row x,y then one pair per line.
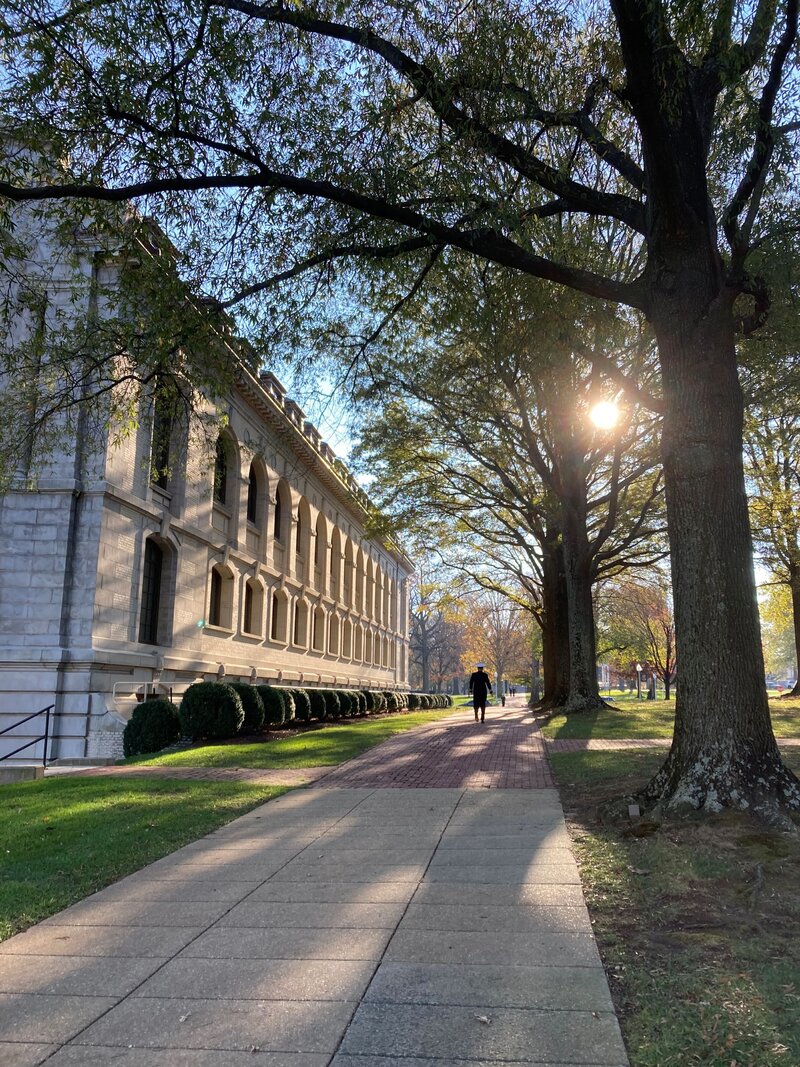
x,y
479,684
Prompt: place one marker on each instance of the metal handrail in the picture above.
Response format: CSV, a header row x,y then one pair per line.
x,y
43,737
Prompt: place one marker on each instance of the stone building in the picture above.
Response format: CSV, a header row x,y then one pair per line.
x,y
246,558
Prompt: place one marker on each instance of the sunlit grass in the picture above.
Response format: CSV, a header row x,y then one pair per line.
x,y
323,747
652,718
62,838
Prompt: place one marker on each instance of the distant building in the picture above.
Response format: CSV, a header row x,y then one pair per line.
x,y
146,563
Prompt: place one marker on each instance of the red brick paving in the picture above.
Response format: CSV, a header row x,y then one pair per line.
x,y
505,752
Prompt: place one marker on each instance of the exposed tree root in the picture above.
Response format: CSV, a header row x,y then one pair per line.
x,y
725,778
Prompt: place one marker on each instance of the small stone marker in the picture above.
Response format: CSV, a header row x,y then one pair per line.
x,y
634,811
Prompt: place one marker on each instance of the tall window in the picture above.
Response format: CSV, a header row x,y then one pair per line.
x,y
298,544
248,608
252,495
151,592
221,473
277,526
215,604
162,434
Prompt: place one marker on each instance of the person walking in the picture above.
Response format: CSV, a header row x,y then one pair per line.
x,y
479,686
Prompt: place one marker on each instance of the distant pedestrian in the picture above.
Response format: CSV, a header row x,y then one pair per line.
x,y
479,686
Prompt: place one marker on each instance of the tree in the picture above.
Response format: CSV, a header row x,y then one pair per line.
x,y
772,449
648,625
418,129
499,635
505,446
780,652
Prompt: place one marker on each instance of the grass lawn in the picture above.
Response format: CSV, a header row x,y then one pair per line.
x,y
653,718
322,747
62,838
697,923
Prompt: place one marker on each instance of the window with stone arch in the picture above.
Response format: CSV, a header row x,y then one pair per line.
x,y
358,642
163,443
369,587
348,580
155,604
282,513
335,563
257,493
347,639
320,552
333,636
368,647
220,597
318,630
279,614
300,628
378,611
253,608
302,540
225,471
360,569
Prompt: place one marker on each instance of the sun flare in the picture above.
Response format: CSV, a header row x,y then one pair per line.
x,y
605,415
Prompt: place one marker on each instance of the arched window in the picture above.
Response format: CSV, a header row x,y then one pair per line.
x,y
333,639
347,639
253,609
318,630
252,495
278,621
221,472
320,552
358,649
300,633
163,419
220,603
150,608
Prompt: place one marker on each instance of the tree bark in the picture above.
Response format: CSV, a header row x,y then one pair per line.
x,y
730,758
584,692
555,632
795,588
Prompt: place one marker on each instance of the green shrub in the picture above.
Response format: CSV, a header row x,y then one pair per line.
x,y
273,704
413,701
211,709
424,701
362,701
391,700
253,707
319,709
288,704
449,701
153,725
379,700
332,704
345,703
302,704
369,696
402,701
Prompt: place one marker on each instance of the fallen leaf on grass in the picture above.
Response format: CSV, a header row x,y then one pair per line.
x,y
639,870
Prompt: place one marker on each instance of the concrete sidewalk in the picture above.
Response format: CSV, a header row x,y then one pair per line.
x,y
357,927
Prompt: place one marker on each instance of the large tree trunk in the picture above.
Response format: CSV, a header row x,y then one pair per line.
x,y
730,758
584,692
555,631
795,588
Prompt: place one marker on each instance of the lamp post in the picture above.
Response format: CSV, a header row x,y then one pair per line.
x,y
638,681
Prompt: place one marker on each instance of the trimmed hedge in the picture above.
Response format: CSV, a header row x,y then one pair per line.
x,y
391,700
332,703
345,703
413,701
211,709
302,704
319,708
273,704
253,707
288,704
153,725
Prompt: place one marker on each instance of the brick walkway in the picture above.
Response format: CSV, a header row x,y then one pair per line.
x,y
505,752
